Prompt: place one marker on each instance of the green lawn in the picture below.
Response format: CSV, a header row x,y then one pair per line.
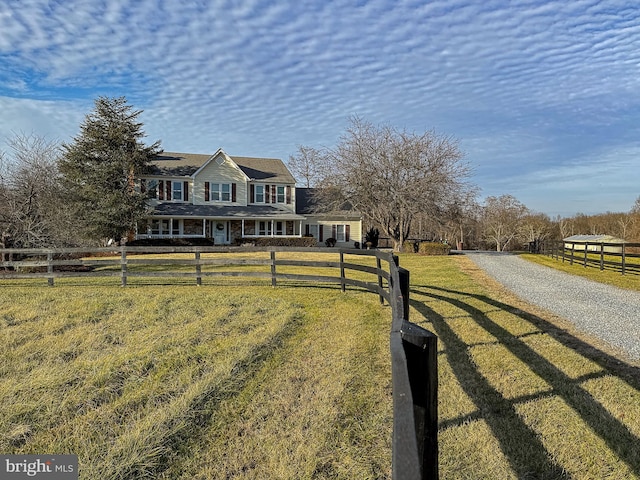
x,y
249,381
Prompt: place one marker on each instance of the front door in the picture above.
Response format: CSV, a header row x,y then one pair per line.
x,y
219,232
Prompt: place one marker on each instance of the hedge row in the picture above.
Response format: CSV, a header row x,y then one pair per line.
x,y
279,242
426,248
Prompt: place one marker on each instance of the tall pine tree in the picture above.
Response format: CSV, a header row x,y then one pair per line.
x,y
100,166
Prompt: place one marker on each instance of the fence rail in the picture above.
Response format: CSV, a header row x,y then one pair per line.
x,y
413,349
622,257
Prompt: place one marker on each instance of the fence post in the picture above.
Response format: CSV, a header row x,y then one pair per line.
x,y
123,266
343,284
403,276
421,350
623,259
273,267
586,248
602,256
198,269
379,267
50,268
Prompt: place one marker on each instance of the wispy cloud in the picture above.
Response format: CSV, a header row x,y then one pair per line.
x,y
518,83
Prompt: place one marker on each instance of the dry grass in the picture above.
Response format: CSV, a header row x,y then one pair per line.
x,y
247,381
630,281
522,394
157,381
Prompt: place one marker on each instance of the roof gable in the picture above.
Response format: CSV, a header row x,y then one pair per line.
x,y
188,164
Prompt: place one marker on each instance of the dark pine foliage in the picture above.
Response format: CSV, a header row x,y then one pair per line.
x,y
100,168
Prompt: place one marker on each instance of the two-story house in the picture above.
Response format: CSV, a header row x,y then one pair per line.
x,y
228,198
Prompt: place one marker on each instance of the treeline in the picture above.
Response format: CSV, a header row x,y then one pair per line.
x,y
504,223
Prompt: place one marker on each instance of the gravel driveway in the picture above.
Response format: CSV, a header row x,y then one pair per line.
x,y
609,313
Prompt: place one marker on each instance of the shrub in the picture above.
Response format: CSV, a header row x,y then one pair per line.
x,y
371,237
172,242
330,242
409,247
434,248
280,242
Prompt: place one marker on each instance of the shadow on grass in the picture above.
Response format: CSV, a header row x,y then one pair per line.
x,y
527,454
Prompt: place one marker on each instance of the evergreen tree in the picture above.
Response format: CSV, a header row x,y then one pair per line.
x,y
100,166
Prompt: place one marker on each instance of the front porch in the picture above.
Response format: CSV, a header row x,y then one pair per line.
x,y
222,231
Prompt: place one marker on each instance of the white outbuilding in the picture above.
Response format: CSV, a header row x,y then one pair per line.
x,y
593,243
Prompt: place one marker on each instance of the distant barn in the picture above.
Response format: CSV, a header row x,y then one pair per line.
x,y
593,243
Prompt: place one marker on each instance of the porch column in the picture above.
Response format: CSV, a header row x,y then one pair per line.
x,y
204,228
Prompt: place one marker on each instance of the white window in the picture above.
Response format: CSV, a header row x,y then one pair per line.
x,y
176,190
314,231
280,194
341,233
175,227
225,192
220,192
279,228
264,228
259,194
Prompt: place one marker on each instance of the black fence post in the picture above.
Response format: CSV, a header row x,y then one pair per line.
x,y
421,350
343,284
379,267
403,275
273,268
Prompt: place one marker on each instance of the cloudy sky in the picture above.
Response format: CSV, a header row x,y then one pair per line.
x,y
543,97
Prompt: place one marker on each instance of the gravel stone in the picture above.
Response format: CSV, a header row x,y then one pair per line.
x,y
609,313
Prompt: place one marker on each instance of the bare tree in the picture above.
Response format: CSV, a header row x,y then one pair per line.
x,y
308,166
392,176
535,228
32,213
502,220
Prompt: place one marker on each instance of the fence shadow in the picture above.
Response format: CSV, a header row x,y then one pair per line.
x,y
499,412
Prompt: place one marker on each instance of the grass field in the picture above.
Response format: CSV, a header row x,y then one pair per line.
x,y
248,381
522,395
187,382
630,281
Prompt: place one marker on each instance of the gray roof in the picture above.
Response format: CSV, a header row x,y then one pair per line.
x,y
186,164
171,209
306,205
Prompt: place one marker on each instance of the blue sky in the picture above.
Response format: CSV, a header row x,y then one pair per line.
x,y
543,97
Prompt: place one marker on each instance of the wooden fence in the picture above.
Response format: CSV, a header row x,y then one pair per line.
x,y
413,349
622,257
